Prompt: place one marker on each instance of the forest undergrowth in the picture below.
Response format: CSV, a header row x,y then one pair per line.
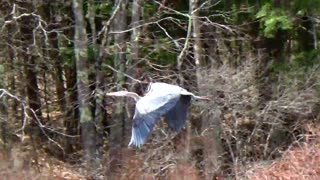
x,y
276,139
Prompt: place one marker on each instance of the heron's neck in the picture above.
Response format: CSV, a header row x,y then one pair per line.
x,y
135,96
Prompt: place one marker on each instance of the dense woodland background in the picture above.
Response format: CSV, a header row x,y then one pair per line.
x,y
257,60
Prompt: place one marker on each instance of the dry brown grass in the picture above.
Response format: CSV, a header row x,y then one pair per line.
x,y
183,172
155,163
22,163
301,161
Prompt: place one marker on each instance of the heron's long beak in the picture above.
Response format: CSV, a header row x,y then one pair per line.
x,y
115,94
203,98
110,94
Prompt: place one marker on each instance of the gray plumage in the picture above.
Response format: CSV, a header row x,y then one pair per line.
x,y
162,100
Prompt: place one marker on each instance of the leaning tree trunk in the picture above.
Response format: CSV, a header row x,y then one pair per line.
x,y
81,55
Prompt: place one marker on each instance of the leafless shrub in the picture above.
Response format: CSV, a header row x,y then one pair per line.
x,y
254,132
300,161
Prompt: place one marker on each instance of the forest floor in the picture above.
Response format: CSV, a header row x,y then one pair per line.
x,y
22,163
300,161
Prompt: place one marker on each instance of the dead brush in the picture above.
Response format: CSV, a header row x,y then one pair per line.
x,y
255,131
300,161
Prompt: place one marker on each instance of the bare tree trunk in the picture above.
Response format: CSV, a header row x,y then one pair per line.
x,y
117,133
86,118
120,61
211,140
98,81
197,46
136,9
133,58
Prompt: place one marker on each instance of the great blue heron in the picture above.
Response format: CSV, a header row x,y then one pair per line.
x,y
161,99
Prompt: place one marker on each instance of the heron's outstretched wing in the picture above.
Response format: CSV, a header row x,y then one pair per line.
x,y
148,111
176,117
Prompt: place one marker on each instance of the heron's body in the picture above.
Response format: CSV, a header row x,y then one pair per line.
x,y
162,100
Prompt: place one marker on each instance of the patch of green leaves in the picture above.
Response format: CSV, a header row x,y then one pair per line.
x,y
306,5
161,55
104,9
67,54
306,59
272,19
149,9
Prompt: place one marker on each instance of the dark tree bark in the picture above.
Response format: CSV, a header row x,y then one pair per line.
x,y
11,71
29,59
50,11
59,81
32,84
306,34
4,110
71,122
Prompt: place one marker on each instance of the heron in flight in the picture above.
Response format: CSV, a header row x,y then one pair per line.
x,y
161,100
